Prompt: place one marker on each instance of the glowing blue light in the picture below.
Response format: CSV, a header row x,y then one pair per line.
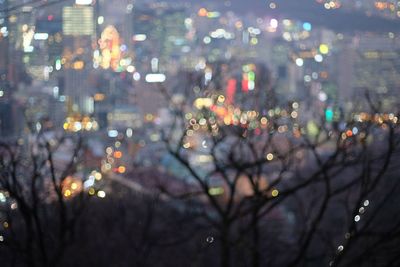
x,y
307,26
112,133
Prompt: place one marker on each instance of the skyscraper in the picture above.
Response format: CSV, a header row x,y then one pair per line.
x,y
159,32
78,30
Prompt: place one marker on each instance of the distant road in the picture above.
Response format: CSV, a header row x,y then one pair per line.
x,y
136,187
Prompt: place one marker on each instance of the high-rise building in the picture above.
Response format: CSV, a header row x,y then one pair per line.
x,y
78,30
10,70
370,64
159,32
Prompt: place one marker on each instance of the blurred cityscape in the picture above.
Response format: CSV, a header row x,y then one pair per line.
x,y
111,71
92,66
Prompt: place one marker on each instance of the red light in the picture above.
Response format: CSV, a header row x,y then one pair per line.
x,y
245,85
50,17
230,91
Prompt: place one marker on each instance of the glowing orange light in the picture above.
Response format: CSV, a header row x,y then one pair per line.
x,y
99,97
203,12
118,154
121,169
78,65
324,75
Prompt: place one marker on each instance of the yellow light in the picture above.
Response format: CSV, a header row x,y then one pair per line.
x,y
200,103
149,117
227,120
275,193
110,48
91,191
270,156
78,65
98,176
67,193
74,186
324,49
215,191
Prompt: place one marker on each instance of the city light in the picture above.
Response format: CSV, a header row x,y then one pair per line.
x,y
101,194
83,2
155,78
274,23
139,37
110,48
77,123
299,62
216,191
100,20
329,114
324,49
112,133
220,129
318,58
200,103
307,26
72,186
41,36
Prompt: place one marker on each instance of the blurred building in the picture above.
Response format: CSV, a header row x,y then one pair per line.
x,y
79,31
371,64
12,70
160,33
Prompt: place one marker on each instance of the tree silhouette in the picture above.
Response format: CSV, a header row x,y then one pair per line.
x,y
280,186
37,213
